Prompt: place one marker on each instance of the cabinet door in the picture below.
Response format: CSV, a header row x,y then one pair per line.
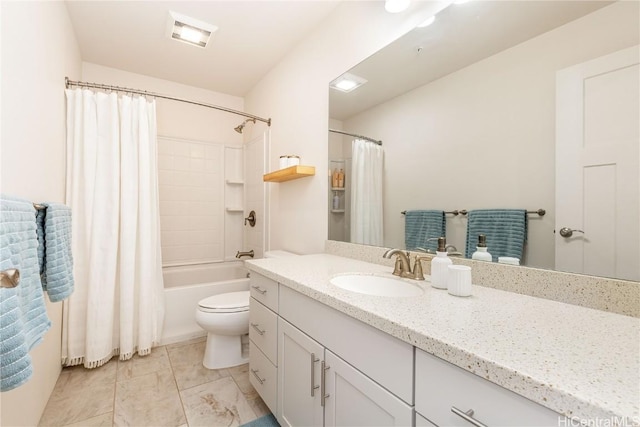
x,y
355,400
299,360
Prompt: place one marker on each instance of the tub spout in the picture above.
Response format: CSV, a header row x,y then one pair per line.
x,y
241,254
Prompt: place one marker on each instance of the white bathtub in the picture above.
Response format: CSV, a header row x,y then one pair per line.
x,y
186,285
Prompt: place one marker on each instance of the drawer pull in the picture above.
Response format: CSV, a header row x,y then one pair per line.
x,y
467,416
255,326
258,289
314,387
255,374
323,380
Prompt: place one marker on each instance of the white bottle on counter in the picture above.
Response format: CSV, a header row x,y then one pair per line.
x,y
481,253
336,201
440,266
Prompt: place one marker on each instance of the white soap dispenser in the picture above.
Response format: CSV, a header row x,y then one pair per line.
x,y
481,253
440,266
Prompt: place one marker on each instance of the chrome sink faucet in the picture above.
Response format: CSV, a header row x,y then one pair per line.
x,y
402,267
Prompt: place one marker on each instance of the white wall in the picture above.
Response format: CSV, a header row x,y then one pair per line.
x,y
295,95
177,119
32,155
484,136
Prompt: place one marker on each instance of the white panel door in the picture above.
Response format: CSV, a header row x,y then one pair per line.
x,y
598,166
355,400
299,359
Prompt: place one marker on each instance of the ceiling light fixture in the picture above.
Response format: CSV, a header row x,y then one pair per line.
x,y
189,30
430,20
347,82
395,6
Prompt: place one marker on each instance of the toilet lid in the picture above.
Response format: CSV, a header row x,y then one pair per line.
x,y
229,302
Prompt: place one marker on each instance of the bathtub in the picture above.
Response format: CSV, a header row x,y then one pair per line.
x,y
184,286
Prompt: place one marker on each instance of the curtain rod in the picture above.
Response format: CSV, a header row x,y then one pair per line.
x,y
68,83
357,136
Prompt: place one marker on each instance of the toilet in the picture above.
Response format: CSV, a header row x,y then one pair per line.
x,y
225,317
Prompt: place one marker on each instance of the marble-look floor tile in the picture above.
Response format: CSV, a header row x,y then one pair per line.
x,y
187,342
240,375
157,360
76,378
148,400
186,362
217,403
257,404
104,420
85,402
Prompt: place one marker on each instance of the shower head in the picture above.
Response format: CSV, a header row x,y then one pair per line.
x,y
242,125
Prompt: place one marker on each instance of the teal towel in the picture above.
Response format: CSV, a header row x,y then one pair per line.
x,y
264,421
506,231
422,225
23,319
54,250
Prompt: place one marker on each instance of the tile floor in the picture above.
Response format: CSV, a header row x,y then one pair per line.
x,y
169,387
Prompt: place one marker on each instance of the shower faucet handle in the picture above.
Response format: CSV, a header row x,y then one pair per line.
x,y
251,218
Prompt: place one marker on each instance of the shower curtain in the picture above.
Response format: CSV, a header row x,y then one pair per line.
x,y
366,193
112,188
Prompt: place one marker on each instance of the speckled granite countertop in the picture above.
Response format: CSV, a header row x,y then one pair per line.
x,y
577,361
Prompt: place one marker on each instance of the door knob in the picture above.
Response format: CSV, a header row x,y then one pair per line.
x,y
567,232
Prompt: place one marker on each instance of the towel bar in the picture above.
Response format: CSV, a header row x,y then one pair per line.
x,y
9,278
540,212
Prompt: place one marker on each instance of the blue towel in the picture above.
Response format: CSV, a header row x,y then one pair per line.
x,y
264,421
506,231
422,225
54,250
23,319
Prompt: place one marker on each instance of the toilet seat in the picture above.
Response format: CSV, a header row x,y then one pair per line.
x,y
232,302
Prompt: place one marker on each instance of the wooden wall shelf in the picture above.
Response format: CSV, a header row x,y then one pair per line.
x,y
287,174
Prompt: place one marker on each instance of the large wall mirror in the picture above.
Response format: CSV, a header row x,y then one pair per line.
x,y
472,111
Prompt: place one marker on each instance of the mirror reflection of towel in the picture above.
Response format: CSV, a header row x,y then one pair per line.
x,y
421,225
506,231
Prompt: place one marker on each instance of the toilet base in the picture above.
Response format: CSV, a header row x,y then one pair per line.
x,y
223,351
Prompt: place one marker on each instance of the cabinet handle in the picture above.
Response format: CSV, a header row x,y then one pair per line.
x,y
314,387
323,380
467,416
262,291
255,326
255,374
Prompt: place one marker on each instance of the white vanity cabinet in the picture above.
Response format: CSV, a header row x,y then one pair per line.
x,y
263,338
441,386
317,381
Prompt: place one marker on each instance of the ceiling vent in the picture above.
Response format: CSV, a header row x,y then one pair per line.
x,y
189,30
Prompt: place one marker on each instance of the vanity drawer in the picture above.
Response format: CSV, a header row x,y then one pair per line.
x,y
264,290
441,386
263,329
263,376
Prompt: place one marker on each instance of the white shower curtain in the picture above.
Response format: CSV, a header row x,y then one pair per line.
x,y
366,193
112,188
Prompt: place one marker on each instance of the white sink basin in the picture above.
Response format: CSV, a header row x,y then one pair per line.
x,y
377,285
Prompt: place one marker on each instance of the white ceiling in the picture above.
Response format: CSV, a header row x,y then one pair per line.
x,y
461,35
252,37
